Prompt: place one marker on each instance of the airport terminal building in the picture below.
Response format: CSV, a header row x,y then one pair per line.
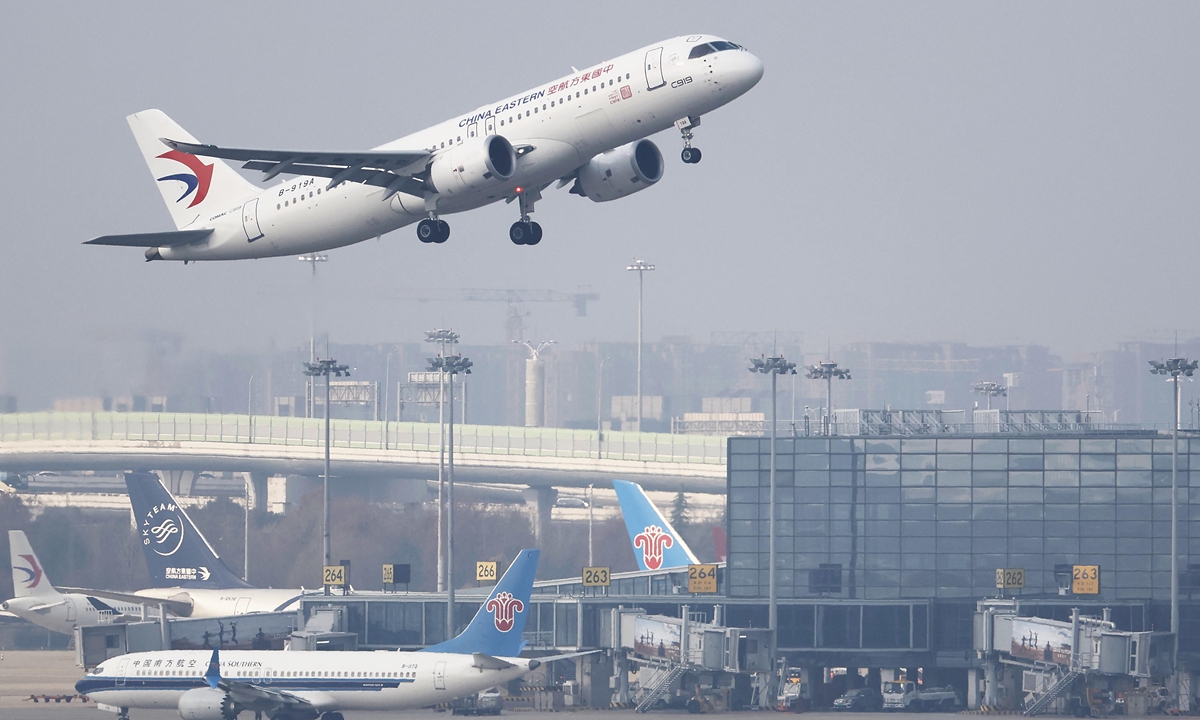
x,y
885,544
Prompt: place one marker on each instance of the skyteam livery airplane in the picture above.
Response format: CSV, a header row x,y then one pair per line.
x,y
587,130
287,685
656,544
190,579
41,603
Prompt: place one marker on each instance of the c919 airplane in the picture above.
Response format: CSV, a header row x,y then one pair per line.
x,y
587,130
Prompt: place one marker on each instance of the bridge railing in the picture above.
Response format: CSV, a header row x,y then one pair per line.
x,y
365,434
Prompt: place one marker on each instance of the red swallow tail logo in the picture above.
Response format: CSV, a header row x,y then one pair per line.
x,y
34,571
504,608
197,181
652,541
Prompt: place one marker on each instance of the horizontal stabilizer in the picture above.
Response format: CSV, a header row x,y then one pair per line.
x,y
47,606
487,662
174,238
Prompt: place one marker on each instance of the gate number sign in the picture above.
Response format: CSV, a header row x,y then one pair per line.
x,y
702,578
333,575
1085,579
485,571
1010,578
596,577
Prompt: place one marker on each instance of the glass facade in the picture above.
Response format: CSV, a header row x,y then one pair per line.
x,y
906,518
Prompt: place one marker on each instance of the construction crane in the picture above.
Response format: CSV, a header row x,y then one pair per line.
x,y
515,325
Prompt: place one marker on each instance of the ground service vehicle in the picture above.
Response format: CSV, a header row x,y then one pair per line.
x,y
859,700
905,695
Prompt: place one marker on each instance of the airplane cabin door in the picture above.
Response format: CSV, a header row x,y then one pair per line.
x,y
489,125
439,675
472,130
121,671
69,603
250,221
654,73
243,603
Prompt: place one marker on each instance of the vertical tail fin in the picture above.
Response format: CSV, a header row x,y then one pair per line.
x,y
29,578
656,544
496,629
177,555
192,187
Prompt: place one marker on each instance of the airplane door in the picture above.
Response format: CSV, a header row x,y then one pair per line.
x,y
489,126
242,607
121,671
70,605
654,74
439,675
250,221
472,130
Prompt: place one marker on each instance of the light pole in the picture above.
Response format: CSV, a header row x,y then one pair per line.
x,y
387,397
990,389
326,368
250,407
246,529
641,267
827,371
600,410
312,259
441,337
450,366
590,500
772,366
1173,368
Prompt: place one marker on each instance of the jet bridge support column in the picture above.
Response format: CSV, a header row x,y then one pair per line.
x,y
178,482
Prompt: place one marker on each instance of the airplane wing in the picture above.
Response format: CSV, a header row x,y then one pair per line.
x,y
391,170
47,606
263,699
182,608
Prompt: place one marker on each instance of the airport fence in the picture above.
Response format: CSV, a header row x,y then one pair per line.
x,y
364,434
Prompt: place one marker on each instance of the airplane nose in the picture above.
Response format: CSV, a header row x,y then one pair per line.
x,y
754,69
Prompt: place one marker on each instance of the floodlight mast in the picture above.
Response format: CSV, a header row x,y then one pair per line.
x,y
311,397
990,389
827,371
772,366
326,368
641,267
1173,368
450,365
442,337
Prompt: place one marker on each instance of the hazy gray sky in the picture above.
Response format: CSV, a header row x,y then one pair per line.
x,y
982,172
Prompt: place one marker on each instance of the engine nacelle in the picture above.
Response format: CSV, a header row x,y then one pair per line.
x,y
620,172
473,165
206,704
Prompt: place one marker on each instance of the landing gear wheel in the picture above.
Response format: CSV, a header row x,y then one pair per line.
x,y
690,155
443,233
427,231
525,233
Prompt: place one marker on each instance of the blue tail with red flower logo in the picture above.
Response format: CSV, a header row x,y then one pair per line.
x,y
656,545
498,626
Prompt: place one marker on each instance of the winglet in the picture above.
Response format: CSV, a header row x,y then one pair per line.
x,y
656,544
212,675
497,626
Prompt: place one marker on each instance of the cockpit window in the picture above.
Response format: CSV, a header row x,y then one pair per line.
x,y
701,51
723,45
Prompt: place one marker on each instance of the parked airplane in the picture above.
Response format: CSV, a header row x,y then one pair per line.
x,y
40,603
656,544
306,685
587,130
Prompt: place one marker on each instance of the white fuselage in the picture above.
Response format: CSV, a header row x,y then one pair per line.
x,y
344,680
63,612
565,122
212,602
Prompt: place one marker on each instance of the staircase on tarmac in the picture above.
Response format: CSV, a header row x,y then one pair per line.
x,y
1055,692
659,685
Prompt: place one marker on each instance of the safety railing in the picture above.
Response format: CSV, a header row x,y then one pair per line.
x,y
169,428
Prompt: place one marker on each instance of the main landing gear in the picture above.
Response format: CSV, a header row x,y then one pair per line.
x,y
690,155
432,230
525,231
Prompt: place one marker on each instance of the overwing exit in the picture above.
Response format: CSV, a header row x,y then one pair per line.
x,y
587,131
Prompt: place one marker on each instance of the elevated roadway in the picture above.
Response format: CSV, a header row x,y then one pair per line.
x,y
360,449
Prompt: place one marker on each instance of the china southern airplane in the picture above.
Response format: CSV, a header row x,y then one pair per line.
x,y
587,130
40,603
656,544
190,579
306,685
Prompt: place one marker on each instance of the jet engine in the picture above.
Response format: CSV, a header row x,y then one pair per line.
x,y
206,704
620,172
473,165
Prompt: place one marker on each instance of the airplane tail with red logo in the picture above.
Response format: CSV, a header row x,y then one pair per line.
x,y
497,627
193,188
29,579
656,544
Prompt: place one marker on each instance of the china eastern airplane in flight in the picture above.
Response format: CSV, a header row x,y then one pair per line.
x,y
285,685
587,130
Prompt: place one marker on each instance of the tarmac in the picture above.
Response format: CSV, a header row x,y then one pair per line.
x,y
48,672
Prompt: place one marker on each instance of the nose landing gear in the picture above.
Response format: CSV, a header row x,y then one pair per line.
x,y
690,155
432,230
